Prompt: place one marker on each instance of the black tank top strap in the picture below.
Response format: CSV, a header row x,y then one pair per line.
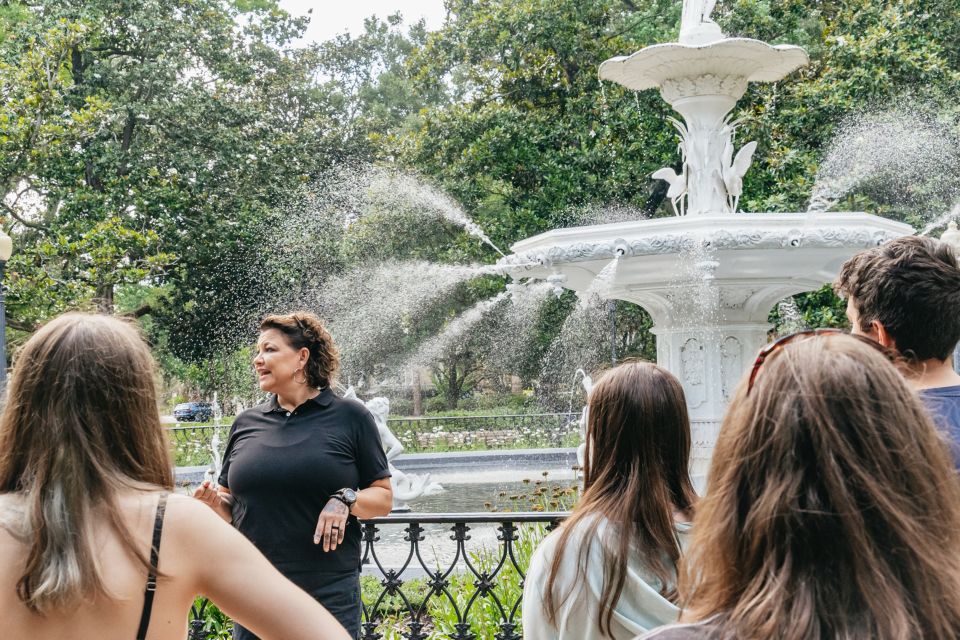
x,y
152,575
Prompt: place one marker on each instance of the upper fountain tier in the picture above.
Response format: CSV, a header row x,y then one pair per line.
x,y
702,77
664,66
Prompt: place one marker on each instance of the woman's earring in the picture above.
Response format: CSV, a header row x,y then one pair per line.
x,y
300,370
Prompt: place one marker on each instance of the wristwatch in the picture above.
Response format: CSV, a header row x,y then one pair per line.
x,y
347,496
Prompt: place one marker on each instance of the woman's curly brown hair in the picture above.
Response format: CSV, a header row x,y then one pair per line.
x,y
305,330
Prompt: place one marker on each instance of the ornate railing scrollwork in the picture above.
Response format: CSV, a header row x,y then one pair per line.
x,y
463,590
483,576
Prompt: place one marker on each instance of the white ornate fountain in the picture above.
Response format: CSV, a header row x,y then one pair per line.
x,y
709,276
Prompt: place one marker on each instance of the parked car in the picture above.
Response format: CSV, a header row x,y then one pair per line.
x,y
193,411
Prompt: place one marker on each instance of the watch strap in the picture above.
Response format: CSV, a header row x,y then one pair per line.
x,y
339,496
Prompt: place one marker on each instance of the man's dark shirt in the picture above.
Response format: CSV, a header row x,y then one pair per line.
x,y
282,467
943,403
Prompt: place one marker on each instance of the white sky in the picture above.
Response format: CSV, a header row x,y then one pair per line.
x,y
331,17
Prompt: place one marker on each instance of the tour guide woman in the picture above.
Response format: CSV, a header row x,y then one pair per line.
x,y
300,468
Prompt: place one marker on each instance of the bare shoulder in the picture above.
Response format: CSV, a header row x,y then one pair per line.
x,y
192,523
185,513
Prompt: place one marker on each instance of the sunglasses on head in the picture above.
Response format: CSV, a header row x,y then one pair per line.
x,y
771,348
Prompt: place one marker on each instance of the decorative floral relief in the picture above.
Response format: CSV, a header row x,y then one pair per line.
x,y
692,364
731,364
679,88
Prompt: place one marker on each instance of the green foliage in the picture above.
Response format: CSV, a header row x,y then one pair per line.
x,y
864,55
822,308
533,133
530,133
145,141
155,145
215,623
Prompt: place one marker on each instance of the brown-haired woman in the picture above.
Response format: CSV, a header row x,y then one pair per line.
x,y
85,475
610,570
300,468
833,509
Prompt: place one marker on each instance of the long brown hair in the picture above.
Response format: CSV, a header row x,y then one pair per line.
x,y
80,423
636,474
832,509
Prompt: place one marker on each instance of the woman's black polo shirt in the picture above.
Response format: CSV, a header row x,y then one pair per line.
x,y
282,467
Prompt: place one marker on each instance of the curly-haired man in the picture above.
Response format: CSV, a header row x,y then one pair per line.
x,y
905,294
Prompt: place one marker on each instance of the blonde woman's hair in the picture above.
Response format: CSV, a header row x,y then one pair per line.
x,y
80,423
832,509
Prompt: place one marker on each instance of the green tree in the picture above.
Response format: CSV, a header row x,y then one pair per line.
x,y
149,140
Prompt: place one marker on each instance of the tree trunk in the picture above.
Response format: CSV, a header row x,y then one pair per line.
x,y
104,299
454,384
417,394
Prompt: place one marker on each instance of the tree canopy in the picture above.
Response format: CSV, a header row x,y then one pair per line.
x,y
156,154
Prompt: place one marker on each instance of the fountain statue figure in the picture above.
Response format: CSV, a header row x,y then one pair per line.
x,y
695,23
702,76
406,486
708,276
216,455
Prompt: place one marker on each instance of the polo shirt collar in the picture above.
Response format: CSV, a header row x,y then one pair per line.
x,y
323,399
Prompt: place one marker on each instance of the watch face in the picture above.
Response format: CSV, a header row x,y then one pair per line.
x,y
350,495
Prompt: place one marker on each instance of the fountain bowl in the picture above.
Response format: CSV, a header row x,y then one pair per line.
x,y
801,250
738,60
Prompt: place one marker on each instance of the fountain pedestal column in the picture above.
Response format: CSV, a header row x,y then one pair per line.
x,y
710,355
709,328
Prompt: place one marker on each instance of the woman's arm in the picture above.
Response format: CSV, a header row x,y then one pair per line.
x,y
375,500
230,571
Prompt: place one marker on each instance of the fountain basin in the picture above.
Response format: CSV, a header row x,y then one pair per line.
x,y
806,249
709,284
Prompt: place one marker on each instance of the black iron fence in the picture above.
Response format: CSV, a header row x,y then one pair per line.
x,y
192,444
471,590
490,432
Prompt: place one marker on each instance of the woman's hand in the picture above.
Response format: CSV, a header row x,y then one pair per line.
x,y
332,524
216,500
